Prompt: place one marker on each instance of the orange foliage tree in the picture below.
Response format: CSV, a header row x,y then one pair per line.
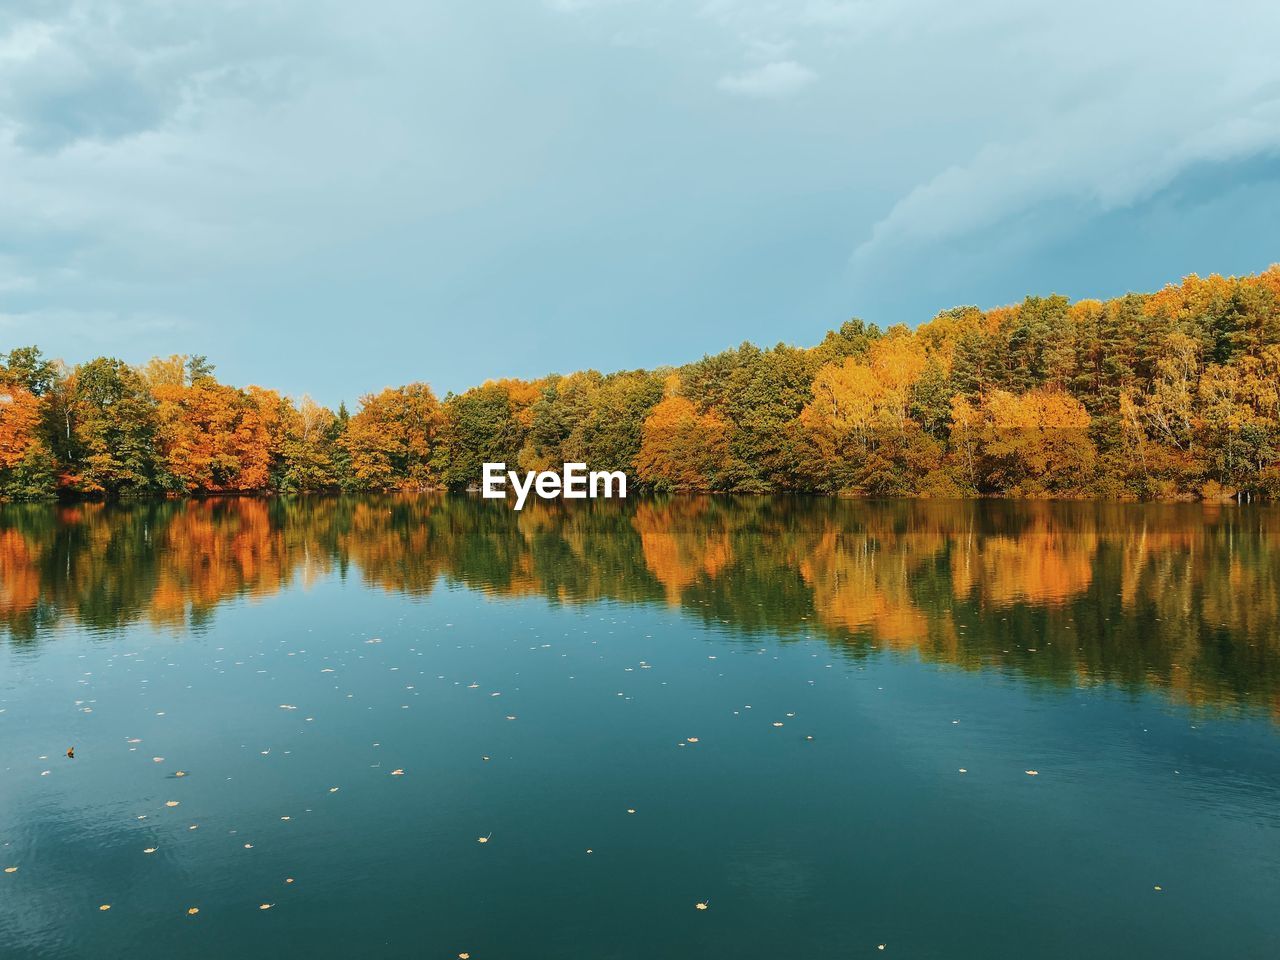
x,y
680,448
26,464
213,437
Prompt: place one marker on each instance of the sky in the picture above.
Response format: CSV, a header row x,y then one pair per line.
x,y
329,197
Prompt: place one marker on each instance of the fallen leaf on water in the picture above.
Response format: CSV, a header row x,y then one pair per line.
x,y
1033,773
630,810
192,911
180,773
483,839
691,739
150,850
171,803
248,846
777,723
264,906
105,907
397,772
288,879
702,904
10,869
333,789
464,956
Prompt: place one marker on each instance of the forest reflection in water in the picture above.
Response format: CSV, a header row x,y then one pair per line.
x,y
1179,598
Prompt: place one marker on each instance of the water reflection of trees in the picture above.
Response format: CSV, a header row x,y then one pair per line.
x,y
1185,598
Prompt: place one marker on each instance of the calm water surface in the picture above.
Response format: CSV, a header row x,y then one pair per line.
x,y
818,718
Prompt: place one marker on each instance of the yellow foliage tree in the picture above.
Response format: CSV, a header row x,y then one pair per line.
x,y
392,439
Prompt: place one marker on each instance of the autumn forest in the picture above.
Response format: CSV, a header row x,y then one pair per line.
x,y
1168,395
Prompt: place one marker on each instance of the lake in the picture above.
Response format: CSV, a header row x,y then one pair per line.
x,y
428,726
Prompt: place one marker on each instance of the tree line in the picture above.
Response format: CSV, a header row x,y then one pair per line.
x,y
1167,395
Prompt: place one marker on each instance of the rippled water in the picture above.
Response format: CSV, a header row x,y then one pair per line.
x,y
820,719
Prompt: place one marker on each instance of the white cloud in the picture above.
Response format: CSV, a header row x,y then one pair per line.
x,y
1111,130
773,81
168,157
576,6
103,330
990,110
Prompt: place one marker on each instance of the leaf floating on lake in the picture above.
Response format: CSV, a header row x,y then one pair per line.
x,y
703,904
1033,773
777,723
171,803
150,850
105,907
265,906
333,789
691,739
10,869
397,772
192,911
180,773
484,839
